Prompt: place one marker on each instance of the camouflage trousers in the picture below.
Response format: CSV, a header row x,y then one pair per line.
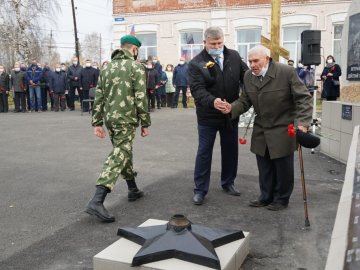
x,y
120,160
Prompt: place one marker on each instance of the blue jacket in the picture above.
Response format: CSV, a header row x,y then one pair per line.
x,y
34,73
58,82
180,77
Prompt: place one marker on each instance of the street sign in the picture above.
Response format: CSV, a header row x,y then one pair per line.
x,y
119,19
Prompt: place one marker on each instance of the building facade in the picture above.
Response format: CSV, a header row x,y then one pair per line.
x,y
170,29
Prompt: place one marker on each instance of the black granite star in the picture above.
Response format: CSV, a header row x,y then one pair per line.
x,y
192,243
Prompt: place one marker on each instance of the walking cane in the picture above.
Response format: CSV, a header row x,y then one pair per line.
x,y
307,222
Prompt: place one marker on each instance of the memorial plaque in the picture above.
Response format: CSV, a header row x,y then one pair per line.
x,y
353,66
346,112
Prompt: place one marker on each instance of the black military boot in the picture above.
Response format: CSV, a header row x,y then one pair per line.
x,y
134,193
96,206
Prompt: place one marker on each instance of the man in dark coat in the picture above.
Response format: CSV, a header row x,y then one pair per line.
x,y
279,99
4,90
88,79
45,88
58,86
18,84
152,83
215,75
74,81
181,82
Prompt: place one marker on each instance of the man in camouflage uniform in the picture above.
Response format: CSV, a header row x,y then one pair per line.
x,y
120,104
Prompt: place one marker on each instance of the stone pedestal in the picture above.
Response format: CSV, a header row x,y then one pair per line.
x,y
119,255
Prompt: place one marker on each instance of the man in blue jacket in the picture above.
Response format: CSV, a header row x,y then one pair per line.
x,y
33,75
181,82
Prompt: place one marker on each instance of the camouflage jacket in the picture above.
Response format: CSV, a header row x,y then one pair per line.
x,y
121,93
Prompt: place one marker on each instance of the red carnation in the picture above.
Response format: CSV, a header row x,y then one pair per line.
x,y
291,130
242,141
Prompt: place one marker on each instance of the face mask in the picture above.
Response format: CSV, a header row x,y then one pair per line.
x,y
57,69
154,61
149,66
94,67
88,65
330,61
75,63
216,52
181,62
17,69
300,65
168,69
63,68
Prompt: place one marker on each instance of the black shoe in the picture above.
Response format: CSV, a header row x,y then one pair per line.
x,y
258,203
275,206
134,194
72,109
231,190
198,199
96,206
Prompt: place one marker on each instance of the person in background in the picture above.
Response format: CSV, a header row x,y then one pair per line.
x,y
299,68
152,83
104,64
33,75
18,84
290,62
4,90
160,92
45,89
331,78
180,82
156,64
23,68
74,82
97,70
58,86
64,71
169,87
88,79
307,75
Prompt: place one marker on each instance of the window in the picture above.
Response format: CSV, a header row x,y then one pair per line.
x,y
292,41
337,42
149,45
191,44
246,39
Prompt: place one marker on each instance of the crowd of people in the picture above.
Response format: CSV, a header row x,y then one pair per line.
x,y
36,86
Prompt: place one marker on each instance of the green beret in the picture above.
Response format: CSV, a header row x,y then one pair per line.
x,y
130,39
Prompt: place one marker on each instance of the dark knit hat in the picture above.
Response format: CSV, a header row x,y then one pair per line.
x,y
307,139
130,39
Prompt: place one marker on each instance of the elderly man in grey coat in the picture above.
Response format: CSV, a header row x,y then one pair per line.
x,y
279,98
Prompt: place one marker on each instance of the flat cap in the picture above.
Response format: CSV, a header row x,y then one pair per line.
x,y
130,39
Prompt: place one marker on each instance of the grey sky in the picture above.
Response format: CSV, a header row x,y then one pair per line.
x,y
92,16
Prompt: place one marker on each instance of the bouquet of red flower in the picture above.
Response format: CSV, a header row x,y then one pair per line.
x,y
243,140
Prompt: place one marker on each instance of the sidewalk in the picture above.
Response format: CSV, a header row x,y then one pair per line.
x,y
49,163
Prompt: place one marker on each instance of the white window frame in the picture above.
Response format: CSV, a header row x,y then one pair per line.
x,y
146,46
247,44
191,45
297,42
337,59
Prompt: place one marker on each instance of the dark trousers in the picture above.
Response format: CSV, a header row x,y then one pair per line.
x,y
4,105
176,97
85,95
151,98
59,98
27,95
20,101
229,156
45,92
276,178
169,99
72,96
